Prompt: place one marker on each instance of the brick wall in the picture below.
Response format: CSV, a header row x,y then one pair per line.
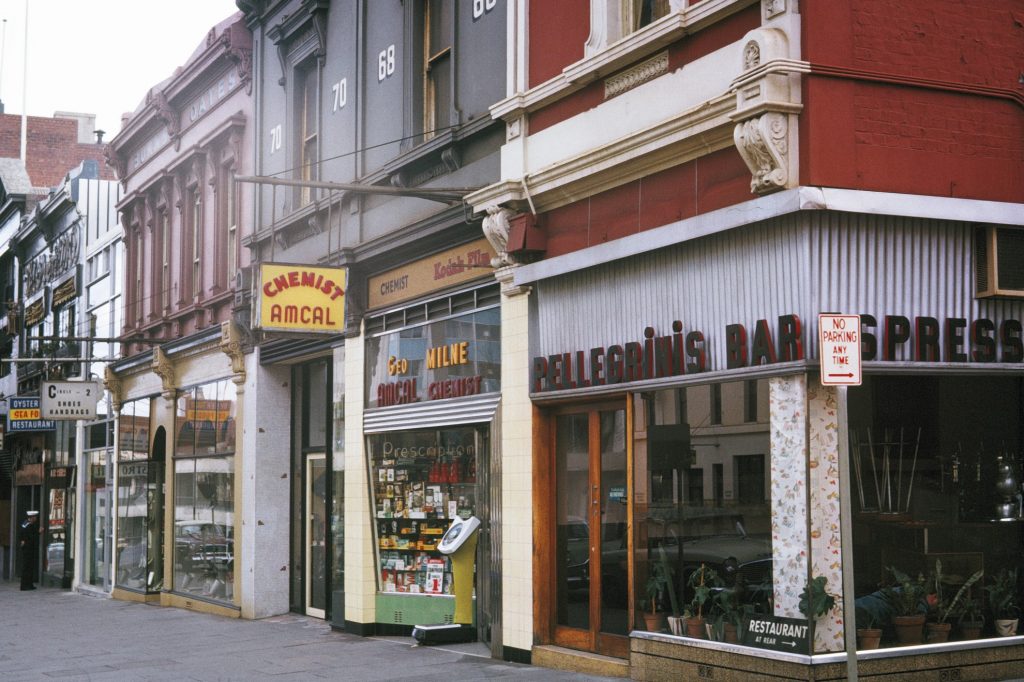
x,y
52,148
916,97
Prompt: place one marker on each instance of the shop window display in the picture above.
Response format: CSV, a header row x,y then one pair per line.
x,y
421,481
702,508
939,506
138,561
204,491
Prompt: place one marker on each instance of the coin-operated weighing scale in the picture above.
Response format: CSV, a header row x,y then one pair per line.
x,y
458,542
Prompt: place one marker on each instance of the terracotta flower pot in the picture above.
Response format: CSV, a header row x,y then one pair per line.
x,y
654,621
1006,627
695,627
937,632
868,638
970,630
729,633
909,629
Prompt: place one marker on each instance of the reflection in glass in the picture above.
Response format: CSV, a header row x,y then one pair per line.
x,y
614,513
572,476
204,527
96,498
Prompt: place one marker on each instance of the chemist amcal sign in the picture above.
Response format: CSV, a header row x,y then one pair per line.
x,y
301,298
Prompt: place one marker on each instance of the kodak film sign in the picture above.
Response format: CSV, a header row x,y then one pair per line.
x,y
301,298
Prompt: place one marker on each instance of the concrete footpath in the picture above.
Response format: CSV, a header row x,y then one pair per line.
x,y
51,634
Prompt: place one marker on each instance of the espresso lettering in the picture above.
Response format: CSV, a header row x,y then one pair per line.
x,y
955,339
897,331
926,346
735,346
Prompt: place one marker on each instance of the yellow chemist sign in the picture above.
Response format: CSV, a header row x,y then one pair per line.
x,y
301,298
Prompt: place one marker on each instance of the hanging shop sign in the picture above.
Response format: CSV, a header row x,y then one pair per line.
x,y
926,339
24,414
35,312
839,349
53,263
300,298
448,268
69,400
65,291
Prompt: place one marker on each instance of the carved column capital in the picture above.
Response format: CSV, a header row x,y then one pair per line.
x,y
164,368
506,278
763,142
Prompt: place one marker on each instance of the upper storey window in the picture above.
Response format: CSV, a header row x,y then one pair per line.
x,y
437,71
646,11
306,94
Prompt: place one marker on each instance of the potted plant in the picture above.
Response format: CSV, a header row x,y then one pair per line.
x,y
701,581
971,619
941,608
906,599
815,601
869,635
727,616
675,621
1002,597
656,583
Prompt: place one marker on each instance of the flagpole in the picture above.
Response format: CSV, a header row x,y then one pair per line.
x,y
24,96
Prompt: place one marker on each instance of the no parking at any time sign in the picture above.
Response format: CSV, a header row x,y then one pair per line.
x,y
839,349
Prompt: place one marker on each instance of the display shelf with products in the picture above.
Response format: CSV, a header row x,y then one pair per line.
x,y
415,500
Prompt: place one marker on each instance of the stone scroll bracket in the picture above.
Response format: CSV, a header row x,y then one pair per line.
x,y
233,339
163,367
115,387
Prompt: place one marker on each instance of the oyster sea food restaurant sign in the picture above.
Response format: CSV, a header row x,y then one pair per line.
x,y
301,298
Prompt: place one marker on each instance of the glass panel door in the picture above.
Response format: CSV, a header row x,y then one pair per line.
x,y
316,535
591,513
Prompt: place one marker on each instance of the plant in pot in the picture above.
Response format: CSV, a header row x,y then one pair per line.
x,y
869,635
656,584
1002,597
727,616
664,567
941,608
971,619
702,581
907,601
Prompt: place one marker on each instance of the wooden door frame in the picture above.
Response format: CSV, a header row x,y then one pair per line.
x,y
306,522
545,530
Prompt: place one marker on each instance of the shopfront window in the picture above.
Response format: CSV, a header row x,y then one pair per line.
x,y
421,481
703,540
937,498
204,491
96,520
140,475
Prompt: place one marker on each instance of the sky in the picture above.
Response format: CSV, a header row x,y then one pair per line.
x,y
97,56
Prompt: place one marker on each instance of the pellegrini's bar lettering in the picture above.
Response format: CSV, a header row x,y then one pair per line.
x,y
926,339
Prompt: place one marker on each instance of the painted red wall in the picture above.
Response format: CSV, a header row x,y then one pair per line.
x,y
921,97
557,32
711,182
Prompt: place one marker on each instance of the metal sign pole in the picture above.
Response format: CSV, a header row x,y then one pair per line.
x,y
846,529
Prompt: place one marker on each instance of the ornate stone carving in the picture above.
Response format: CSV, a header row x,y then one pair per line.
x,y
242,57
164,368
167,114
115,161
113,384
773,8
751,55
638,75
496,228
231,342
763,144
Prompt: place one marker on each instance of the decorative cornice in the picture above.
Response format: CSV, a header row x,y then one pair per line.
x,y
695,132
638,75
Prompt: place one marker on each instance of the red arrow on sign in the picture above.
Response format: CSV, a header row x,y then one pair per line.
x,y
841,375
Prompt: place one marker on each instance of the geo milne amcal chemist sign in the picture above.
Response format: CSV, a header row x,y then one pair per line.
x,y
301,298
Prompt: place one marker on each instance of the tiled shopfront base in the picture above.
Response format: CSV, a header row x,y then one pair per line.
x,y
660,657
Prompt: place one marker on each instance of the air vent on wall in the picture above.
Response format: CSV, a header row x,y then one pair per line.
x,y
999,262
